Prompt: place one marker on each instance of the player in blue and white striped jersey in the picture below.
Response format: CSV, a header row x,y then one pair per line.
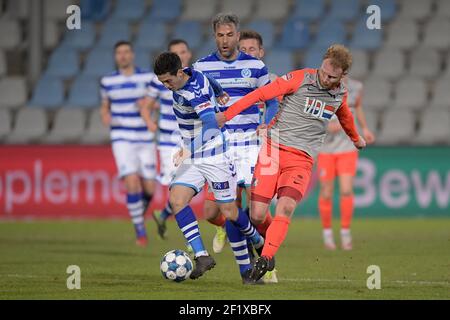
x,y
202,159
132,144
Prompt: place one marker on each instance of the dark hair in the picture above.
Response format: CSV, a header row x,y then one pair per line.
x,y
251,34
177,41
225,18
167,62
123,43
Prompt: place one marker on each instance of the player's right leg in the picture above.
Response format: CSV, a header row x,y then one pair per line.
x,y
212,214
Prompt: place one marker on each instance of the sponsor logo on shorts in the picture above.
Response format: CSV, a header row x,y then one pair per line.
x,y
221,185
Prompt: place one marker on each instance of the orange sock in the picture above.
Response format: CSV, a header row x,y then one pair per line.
x,y
218,221
275,235
325,210
346,211
262,227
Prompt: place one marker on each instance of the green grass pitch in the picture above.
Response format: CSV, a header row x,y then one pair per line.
x,y
413,255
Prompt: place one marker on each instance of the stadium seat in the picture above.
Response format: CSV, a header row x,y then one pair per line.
x,y
190,31
242,8
425,63
364,38
18,9
330,31
388,8
63,63
402,34
443,9
48,93
10,33
389,63
265,29
205,49
377,93
199,10
3,68
271,10
130,10
13,92
51,34
371,120
415,9
436,34
143,59
100,62
95,11
5,123
68,126
397,127
113,31
96,132
295,35
82,39
313,57
344,10
360,65
152,36
441,94
411,93
307,10
434,127
56,9
30,125
279,61
165,10
84,93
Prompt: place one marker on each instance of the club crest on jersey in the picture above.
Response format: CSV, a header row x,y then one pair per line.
x,y
246,73
318,108
180,100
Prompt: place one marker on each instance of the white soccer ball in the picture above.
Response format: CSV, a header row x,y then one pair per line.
x,y
176,265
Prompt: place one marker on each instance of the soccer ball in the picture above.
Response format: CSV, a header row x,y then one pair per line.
x,y
176,265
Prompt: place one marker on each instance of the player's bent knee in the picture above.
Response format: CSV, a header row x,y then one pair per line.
x,y
177,202
210,210
229,210
257,217
132,183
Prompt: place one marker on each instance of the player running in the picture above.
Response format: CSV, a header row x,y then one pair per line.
x,y
338,157
132,144
203,158
311,97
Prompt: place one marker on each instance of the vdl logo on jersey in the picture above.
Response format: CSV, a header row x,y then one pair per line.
x,y
318,108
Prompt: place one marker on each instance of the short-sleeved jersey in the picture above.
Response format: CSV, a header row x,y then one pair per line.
x,y
238,78
339,142
190,102
122,92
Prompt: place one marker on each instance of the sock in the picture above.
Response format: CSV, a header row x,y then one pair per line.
x,y
135,207
276,233
188,224
262,227
325,210
147,199
166,212
245,226
346,211
218,221
238,243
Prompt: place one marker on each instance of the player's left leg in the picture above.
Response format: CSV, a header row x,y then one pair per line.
x,y
213,215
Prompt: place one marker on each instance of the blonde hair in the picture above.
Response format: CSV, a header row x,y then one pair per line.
x,y
340,57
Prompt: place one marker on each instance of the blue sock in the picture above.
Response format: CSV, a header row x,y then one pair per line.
x,y
135,205
188,224
245,226
238,243
167,212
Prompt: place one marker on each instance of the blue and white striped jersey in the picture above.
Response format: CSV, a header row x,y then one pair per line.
x,y
238,78
169,133
191,102
123,92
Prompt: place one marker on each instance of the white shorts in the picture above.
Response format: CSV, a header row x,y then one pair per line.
x,y
167,168
137,158
218,171
245,158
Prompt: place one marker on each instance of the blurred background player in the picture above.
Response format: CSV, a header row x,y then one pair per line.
x,y
338,158
132,144
203,158
238,73
295,136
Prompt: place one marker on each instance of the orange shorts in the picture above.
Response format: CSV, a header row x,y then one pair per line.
x,y
281,170
331,165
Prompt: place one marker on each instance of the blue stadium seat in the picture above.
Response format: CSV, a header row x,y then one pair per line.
x,y
82,39
152,36
345,10
364,38
190,31
63,63
100,62
279,61
48,93
206,48
131,10
114,30
296,35
330,31
95,11
84,93
313,57
165,10
143,59
308,10
266,29
388,8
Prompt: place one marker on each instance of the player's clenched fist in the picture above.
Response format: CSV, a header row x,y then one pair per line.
x,y
220,118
